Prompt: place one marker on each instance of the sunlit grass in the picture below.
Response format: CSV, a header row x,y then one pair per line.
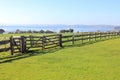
x,y
98,61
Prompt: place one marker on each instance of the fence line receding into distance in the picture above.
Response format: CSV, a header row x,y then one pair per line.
x,y
23,44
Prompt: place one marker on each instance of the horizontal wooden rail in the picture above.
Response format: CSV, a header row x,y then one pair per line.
x,y
4,42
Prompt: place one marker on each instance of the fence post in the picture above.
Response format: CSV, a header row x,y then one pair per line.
x,y
119,33
108,35
43,42
73,39
95,36
89,37
60,40
100,36
11,45
5,44
31,40
115,34
23,44
112,35
82,37
105,33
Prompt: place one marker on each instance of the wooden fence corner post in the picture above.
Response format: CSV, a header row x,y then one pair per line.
x,y
60,40
23,44
11,45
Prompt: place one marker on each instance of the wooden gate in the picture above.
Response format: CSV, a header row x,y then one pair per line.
x,y
25,43
33,42
15,44
51,41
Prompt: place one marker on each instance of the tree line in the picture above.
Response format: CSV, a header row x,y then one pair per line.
x,y
32,31
66,31
18,31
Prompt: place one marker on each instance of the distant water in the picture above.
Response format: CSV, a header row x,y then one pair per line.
x,y
57,28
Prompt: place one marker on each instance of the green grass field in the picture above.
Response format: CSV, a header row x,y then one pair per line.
x,y
98,61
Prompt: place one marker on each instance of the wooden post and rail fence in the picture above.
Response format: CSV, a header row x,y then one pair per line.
x,y
23,44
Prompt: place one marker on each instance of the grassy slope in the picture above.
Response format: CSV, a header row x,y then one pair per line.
x,y
98,61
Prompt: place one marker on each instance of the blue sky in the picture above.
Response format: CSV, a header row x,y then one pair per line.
x,y
89,12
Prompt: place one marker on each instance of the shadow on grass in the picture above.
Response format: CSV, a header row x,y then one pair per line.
x,y
9,59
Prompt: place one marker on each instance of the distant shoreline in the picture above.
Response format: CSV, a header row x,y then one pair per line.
x,y
57,28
